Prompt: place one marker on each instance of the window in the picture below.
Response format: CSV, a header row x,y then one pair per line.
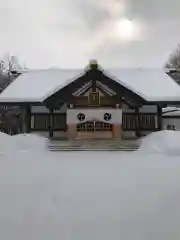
x,y
146,122
59,122
40,122
130,122
93,126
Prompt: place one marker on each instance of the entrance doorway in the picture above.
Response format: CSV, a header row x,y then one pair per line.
x,y
94,130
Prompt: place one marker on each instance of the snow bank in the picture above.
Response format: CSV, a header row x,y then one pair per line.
x,y
97,196
22,142
5,142
165,142
30,142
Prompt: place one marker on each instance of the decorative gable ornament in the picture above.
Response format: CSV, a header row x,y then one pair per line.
x,y
107,116
93,64
81,117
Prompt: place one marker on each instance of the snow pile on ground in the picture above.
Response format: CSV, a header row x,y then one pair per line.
x,y
5,142
29,142
165,142
22,142
97,196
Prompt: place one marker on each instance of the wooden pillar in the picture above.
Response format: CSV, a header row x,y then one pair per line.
x,y
26,119
93,85
117,127
138,119
71,127
159,118
51,110
117,131
93,73
72,132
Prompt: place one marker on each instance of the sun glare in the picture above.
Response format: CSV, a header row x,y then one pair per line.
x,y
126,29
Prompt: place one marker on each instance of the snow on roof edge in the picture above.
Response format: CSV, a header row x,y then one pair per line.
x,y
147,98
127,85
63,86
81,73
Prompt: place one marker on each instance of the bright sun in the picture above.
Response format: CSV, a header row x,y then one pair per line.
x,y
126,29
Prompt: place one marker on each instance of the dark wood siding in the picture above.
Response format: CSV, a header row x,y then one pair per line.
x,y
103,101
59,122
81,100
147,122
41,122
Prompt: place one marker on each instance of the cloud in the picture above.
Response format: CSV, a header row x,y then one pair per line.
x,y
157,10
67,33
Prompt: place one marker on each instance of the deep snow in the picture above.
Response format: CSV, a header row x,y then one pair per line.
x,y
22,142
163,142
99,196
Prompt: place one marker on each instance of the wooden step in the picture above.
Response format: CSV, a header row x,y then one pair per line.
x,y
94,145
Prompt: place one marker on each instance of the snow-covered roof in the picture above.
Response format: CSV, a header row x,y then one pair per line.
x,y
175,113
37,85
171,111
150,84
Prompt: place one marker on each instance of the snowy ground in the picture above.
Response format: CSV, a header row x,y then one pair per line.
x,y
89,196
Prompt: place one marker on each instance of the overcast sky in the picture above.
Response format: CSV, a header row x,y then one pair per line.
x,y
67,33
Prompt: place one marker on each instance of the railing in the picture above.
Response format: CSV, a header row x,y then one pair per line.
x,y
94,126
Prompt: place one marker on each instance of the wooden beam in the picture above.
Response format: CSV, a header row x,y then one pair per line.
x,y
28,109
93,77
138,132
51,110
103,91
159,117
87,89
98,87
26,119
20,104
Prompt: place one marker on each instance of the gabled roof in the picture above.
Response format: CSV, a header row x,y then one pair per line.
x,y
37,85
171,111
88,85
153,85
